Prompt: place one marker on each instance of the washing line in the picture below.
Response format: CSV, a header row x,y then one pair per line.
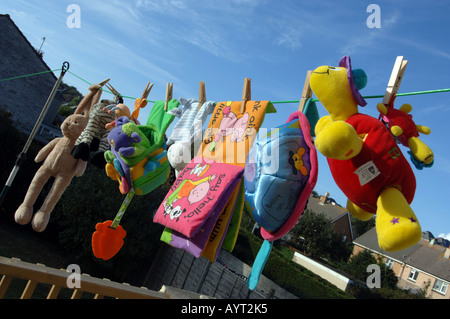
x,y
273,102
27,75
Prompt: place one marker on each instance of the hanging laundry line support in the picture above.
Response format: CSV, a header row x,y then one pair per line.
x,y
169,95
307,92
22,156
201,95
246,94
395,80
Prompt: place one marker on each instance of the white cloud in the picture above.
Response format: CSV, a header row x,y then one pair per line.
x,y
420,45
369,37
445,236
290,37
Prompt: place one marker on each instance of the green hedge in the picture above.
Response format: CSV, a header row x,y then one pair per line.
x,y
286,273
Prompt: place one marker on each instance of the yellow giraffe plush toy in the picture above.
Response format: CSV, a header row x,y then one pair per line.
x,y
364,158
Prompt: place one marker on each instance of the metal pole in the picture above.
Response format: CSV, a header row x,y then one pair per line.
x,y
22,156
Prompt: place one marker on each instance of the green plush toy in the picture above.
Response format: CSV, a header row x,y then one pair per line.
x,y
364,157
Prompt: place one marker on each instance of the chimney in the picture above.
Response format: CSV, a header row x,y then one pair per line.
x,y
447,253
323,199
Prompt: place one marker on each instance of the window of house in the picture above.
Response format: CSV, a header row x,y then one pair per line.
x,y
440,286
389,263
413,275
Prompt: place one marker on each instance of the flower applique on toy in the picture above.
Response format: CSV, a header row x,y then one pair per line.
x,y
364,158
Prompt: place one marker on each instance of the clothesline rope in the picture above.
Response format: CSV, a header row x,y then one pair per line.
x,y
27,75
273,102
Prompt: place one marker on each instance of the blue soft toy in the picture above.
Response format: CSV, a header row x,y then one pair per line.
x,y
121,142
280,175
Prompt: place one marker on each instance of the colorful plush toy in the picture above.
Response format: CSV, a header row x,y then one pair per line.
x,y
128,147
277,186
58,163
101,119
402,126
138,161
364,158
118,110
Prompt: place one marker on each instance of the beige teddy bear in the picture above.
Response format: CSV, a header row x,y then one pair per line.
x,y
58,163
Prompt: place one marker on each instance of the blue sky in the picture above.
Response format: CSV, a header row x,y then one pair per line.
x,y
273,42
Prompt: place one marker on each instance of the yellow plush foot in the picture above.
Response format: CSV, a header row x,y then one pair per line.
x,y
396,224
358,212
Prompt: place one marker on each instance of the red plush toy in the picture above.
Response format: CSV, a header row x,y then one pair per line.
x,y
364,157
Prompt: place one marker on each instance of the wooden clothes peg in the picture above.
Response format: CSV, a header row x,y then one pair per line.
x,y
246,94
169,94
146,91
113,90
394,81
306,93
201,95
142,101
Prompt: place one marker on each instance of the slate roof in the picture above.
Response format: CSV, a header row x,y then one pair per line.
x,y
423,256
329,210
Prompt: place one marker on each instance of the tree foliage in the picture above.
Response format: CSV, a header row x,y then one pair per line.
x,y
89,199
357,267
317,238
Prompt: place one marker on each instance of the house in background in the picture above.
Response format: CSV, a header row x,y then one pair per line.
x,y
338,215
423,264
25,97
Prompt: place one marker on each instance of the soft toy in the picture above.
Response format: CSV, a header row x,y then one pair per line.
x,y
121,109
128,140
179,155
138,161
118,110
364,158
277,186
187,131
58,163
94,136
402,126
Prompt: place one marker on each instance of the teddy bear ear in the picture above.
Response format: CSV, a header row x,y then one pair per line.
x,y
122,120
360,78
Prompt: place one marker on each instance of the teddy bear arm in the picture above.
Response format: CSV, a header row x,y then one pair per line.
x,y
43,153
423,129
321,123
126,151
339,140
80,168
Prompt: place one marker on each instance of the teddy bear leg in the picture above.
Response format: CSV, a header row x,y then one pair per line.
x,y
41,218
23,214
358,212
396,224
